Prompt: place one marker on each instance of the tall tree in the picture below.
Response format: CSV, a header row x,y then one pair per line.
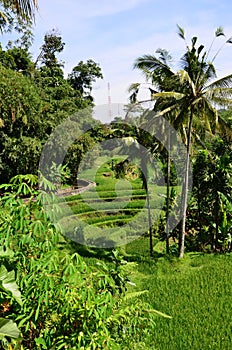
x,y
192,93
52,45
83,76
158,72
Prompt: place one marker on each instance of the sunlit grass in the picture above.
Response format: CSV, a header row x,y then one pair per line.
x,y
196,291
120,197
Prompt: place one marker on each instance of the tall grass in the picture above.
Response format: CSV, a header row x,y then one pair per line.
x,y
196,292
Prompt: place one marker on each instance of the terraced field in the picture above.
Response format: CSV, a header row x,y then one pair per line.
x,y
115,207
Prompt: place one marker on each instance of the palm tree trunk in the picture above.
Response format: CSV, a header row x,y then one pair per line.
x,y
168,193
185,188
144,169
149,221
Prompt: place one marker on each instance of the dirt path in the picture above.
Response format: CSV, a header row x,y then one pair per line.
x,y
73,191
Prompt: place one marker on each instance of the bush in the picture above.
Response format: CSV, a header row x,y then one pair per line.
x,y
65,303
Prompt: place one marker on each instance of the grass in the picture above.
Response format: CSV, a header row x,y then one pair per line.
x,y
196,291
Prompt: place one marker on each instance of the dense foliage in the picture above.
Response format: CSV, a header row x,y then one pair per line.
x,y
35,99
65,302
50,296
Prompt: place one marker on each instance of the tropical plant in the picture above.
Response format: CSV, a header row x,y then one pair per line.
x,y
66,303
188,94
8,291
16,10
24,8
83,75
211,180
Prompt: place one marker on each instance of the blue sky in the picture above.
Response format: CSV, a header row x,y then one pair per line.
x,y
114,33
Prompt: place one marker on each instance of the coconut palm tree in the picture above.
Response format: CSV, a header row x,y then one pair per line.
x,y
135,143
158,72
189,94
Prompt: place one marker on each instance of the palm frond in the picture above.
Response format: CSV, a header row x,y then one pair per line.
x,y
209,73
152,64
180,32
157,114
164,56
134,87
219,31
26,7
229,41
209,116
222,102
224,82
219,92
168,94
3,16
180,120
224,128
185,78
133,90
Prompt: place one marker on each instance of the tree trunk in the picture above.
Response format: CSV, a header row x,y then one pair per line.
x,y
199,208
145,185
149,221
168,193
185,189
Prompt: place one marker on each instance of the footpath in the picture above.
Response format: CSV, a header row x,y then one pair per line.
x,y
82,185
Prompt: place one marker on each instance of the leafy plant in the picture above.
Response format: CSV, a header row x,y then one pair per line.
x,y
66,303
8,290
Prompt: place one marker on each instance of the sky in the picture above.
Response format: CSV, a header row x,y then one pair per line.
x,y
114,33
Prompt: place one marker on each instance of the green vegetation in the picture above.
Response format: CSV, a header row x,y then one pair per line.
x,y
195,291
67,299
63,282
187,99
104,207
36,98
65,302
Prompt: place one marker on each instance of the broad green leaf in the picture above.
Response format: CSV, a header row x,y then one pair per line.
x,y
7,282
8,328
41,341
6,253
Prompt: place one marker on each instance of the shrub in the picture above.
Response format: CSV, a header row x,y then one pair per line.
x,y
65,303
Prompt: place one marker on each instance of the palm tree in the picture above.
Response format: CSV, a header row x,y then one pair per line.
x,y
189,94
159,72
135,145
24,9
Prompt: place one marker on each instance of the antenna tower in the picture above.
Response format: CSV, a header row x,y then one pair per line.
x,y
109,102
